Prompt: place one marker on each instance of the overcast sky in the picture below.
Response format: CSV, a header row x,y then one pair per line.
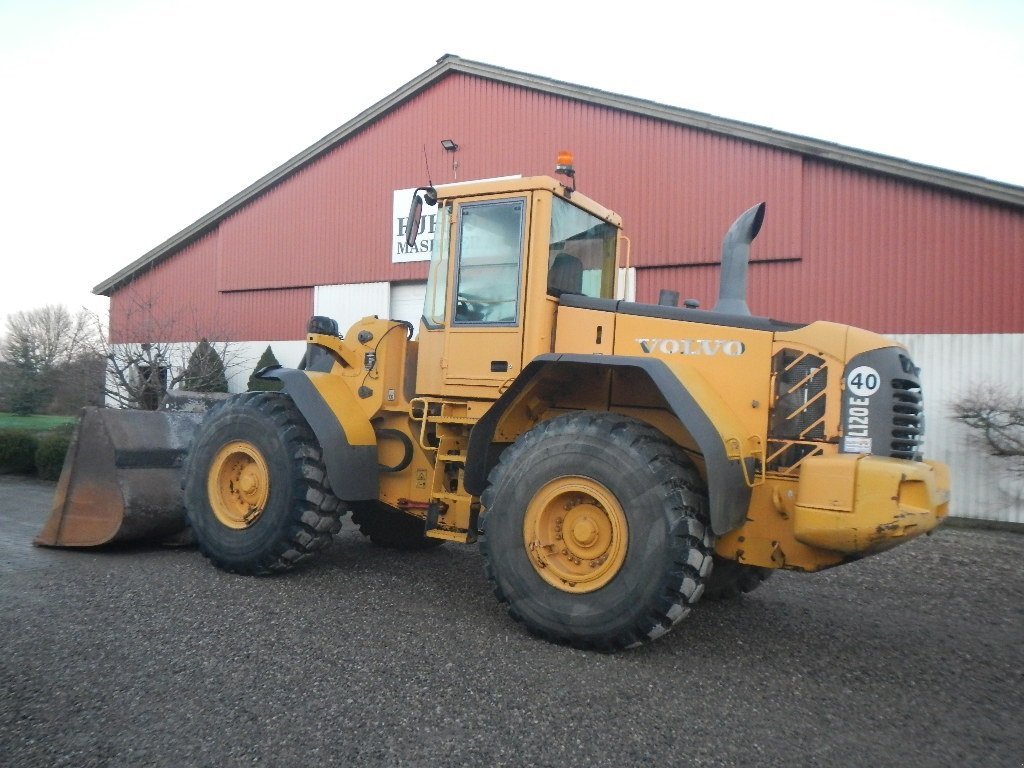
x,y
123,121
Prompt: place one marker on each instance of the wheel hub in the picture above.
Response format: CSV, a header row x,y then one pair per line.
x,y
238,484
584,532
576,534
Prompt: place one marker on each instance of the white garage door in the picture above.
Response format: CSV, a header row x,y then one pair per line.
x,y
348,303
407,302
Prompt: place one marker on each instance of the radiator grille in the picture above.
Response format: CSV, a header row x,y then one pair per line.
x,y
907,413
798,413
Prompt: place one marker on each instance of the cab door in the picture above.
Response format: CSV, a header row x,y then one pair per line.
x,y
484,341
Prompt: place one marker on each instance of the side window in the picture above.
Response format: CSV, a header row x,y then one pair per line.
x,y
489,266
582,256
436,297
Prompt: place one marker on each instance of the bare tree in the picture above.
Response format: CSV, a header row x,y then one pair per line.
x,y
45,338
166,339
996,418
46,351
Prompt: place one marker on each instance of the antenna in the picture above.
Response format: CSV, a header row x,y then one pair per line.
x,y
430,181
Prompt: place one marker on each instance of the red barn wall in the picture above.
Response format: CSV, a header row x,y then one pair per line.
x,y
838,243
178,300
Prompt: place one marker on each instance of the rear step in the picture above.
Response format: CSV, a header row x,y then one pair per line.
x,y
121,479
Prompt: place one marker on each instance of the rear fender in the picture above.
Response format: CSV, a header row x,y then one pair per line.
x,y
688,401
341,427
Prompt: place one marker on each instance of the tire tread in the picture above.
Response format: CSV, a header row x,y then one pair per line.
x,y
314,511
681,584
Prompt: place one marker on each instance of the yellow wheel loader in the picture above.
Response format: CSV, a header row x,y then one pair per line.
x,y
618,461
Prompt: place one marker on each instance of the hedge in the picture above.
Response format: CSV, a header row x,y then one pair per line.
x,y
24,453
50,454
18,451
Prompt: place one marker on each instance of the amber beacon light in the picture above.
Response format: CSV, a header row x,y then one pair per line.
x,y
563,165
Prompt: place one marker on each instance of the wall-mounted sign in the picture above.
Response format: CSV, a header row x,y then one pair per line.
x,y
420,250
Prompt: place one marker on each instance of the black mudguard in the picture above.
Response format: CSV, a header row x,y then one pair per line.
x,y
351,468
729,494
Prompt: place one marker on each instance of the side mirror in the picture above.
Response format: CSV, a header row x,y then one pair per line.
x,y
416,213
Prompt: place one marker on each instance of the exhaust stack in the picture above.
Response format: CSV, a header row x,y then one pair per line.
x,y
732,290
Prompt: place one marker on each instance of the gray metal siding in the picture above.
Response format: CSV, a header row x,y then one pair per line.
x,y
951,365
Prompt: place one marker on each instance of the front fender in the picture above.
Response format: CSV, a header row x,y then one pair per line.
x,y
728,491
345,435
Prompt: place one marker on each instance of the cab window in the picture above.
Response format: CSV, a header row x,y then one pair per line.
x,y
581,259
490,249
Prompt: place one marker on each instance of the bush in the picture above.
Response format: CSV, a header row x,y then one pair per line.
x,y
17,451
205,370
266,360
50,454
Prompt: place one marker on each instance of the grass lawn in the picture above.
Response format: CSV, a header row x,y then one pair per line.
x,y
34,423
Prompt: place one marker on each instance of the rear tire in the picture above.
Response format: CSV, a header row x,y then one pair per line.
x,y
256,489
387,527
730,579
595,531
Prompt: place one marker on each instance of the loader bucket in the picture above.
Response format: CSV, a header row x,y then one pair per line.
x,y
121,479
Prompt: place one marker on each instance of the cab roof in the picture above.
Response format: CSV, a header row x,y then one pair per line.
x,y
512,184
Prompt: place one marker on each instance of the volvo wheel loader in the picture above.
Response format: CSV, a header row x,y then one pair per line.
x,y
617,460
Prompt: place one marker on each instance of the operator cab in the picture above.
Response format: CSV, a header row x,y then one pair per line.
x,y
504,253
489,260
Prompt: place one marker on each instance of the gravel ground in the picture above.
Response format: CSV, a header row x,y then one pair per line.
x,y
150,656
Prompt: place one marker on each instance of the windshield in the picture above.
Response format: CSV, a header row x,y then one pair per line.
x,y
581,258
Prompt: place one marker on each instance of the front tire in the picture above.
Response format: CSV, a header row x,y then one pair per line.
x,y
595,531
256,490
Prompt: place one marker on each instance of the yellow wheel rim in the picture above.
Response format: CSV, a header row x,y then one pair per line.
x,y
238,484
575,534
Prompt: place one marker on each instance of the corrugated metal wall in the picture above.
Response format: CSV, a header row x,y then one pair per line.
x,y
895,255
837,243
953,365
881,253
178,300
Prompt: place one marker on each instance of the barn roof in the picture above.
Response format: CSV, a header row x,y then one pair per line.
x,y
965,184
